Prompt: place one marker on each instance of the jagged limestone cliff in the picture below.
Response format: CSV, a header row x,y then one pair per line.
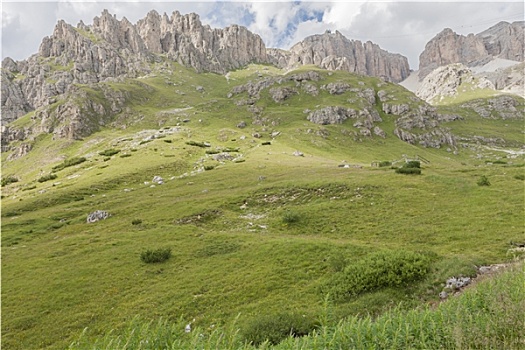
x,y
504,40
112,49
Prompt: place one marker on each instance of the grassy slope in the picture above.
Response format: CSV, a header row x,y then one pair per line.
x,y
61,275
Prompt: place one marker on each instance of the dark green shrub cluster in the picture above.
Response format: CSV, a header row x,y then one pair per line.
x,y
29,188
144,142
213,151
266,143
379,270
412,167
209,167
126,155
412,164
277,327
483,181
198,144
8,180
290,217
47,177
384,163
69,162
168,141
496,161
519,177
109,152
136,222
408,171
155,256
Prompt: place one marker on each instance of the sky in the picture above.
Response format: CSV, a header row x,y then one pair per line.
x,y
398,27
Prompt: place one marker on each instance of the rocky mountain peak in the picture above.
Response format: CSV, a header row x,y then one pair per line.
x,y
334,51
503,40
448,47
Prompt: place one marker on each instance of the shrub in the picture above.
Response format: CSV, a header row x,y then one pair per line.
x,y
412,164
277,327
209,167
144,142
198,144
519,177
385,163
155,256
376,271
266,143
109,152
69,162
483,181
8,180
136,222
168,141
290,217
47,177
126,155
408,171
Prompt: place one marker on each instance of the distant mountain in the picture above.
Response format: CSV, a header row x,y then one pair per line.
x,y
504,40
112,49
334,51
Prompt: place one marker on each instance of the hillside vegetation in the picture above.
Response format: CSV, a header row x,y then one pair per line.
x,y
263,217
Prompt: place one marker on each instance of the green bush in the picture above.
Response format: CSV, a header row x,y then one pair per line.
x,y
198,144
408,171
277,327
209,167
109,152
483,181
385,163
412,164
69,162
290,217
47,177
377,271
136,222
126,155
155,256
168,141
8,180
519,177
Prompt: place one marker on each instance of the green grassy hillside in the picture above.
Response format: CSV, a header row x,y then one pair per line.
x,y
260,232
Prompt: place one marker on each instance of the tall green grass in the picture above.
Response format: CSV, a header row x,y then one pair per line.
x,y
489,315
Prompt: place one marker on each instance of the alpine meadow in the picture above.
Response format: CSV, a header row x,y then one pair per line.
x,y
166,185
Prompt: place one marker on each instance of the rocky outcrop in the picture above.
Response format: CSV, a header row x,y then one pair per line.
x,y
499,107
446,81
504,40
448,47
115,49
184,39
333,51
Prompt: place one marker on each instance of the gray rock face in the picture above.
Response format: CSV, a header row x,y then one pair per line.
x,y
446,80
499,107
333,51
97,216
331,115
110,49
504,40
